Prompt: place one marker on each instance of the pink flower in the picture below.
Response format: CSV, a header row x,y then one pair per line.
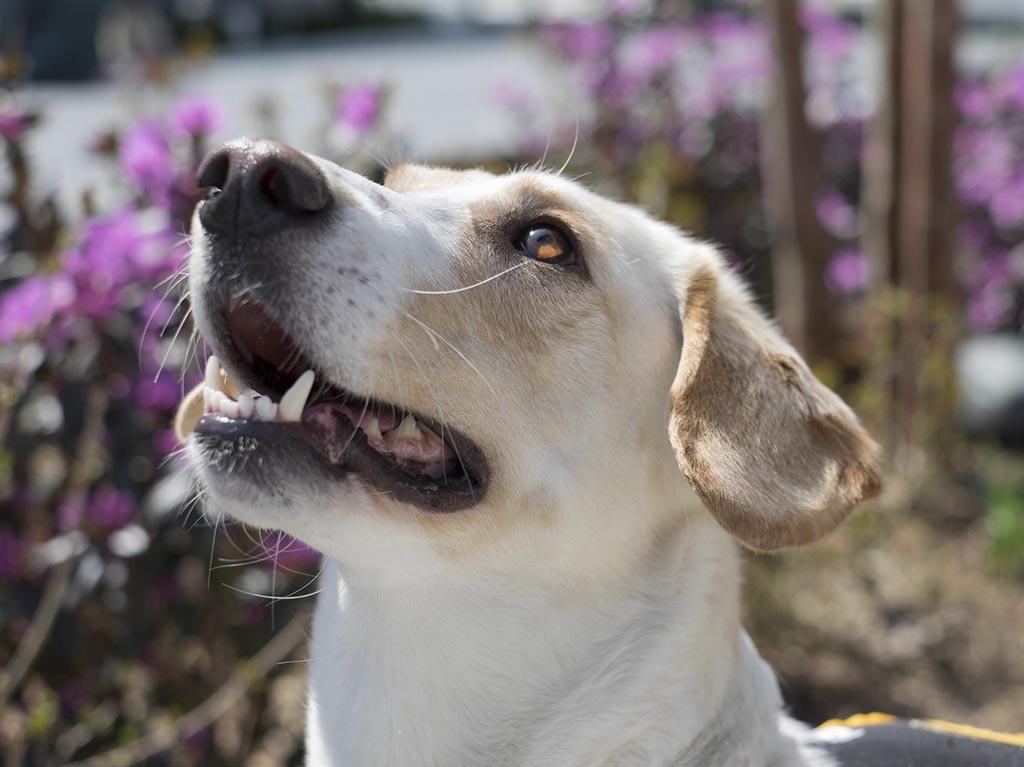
x,y
1013,82
655,50
974,100
12,554
988,307
163,394
146,158
830,36
837,215
514,97
1007,203
196,116
847,272
359,107
110,508
28,308
115,252
580,41
70,513
12,124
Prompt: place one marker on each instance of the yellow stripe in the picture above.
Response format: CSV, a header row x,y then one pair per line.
x,y
1011,739
859,720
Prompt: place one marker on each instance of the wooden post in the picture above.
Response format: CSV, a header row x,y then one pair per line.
x,y
790,167
908,191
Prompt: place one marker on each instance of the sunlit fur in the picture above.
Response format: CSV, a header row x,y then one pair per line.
x,y
586,611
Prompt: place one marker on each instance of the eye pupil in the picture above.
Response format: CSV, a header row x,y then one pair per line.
x,y
545,243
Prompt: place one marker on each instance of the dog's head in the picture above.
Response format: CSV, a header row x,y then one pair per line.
x,y
495,361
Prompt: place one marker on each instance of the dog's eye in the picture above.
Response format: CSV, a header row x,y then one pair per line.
x,y
547,243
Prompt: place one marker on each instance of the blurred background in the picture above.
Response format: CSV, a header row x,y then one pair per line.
x,y
862,163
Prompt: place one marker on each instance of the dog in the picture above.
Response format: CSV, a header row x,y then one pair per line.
x,y
529,428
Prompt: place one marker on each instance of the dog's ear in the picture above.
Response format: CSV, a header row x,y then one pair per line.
x,y
777,457
189,412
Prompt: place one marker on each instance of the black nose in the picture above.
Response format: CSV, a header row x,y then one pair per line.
x,y
259,187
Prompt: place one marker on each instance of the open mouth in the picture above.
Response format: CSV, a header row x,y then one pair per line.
x,y
281,398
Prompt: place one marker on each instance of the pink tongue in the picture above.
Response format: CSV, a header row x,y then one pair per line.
x,y
423,450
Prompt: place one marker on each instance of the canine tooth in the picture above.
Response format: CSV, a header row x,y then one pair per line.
x,y
230,387
266,409
246,406
372,427
213,373
408,429
294,399
207,399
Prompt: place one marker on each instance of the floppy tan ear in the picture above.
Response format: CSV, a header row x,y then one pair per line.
x,y
777,457
189,412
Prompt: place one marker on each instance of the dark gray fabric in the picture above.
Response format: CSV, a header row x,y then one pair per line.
x,y
905,744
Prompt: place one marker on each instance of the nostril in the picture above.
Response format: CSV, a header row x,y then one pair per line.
x,y
267,187
214,170
294,185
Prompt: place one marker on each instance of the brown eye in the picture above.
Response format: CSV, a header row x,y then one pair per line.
x,y
547,243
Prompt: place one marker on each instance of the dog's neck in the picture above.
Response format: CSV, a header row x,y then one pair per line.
x,y
524,672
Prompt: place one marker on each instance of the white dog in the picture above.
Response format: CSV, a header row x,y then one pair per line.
x,y
526,426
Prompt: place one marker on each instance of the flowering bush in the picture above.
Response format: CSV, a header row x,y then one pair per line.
x,y
671,109
989,150
94,359
96,350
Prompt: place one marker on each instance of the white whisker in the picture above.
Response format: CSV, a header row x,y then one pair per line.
x,y
468,287
427,329
575,140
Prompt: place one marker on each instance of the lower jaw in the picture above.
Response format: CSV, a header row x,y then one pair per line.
x,y
260,458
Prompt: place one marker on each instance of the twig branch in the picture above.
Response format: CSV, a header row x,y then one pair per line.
x,y
39,629
56,585
220,702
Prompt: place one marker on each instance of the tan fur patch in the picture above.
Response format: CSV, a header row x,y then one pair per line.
x,y
417,178
778,458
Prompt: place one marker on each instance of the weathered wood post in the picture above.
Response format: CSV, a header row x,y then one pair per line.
x,y
790,167
909,204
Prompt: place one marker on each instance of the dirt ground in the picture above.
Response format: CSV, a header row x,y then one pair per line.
x,y
900,612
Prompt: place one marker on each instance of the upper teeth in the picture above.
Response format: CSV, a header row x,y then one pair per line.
x,y
219,393
406,441
408,429
246,406
372,427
